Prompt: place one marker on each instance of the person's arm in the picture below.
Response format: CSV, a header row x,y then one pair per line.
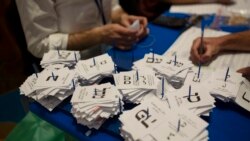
x,y
236,42
197,1
39,22
214,45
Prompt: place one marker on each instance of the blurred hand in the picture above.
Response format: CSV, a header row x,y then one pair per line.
x,y
121,36
245,72
226,2
127,20
211,49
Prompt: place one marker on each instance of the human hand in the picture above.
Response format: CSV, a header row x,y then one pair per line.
x,y
211,49
127,20
245,72
122,37
226,2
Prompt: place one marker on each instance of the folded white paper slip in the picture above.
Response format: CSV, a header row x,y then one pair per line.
x,y
224,84
96,68
243,95
152,120
92,105
63,57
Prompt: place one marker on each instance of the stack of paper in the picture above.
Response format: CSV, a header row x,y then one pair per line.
x,y
224,84
175,70
60,58
134,85
50,88
92,105
94,69
155,122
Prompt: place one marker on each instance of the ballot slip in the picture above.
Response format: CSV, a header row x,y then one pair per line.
x,y
135,84
93,70
49,88
59,58
153,120
92,105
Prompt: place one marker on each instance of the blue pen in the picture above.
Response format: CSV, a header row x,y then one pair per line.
x,y
115,66
201,48
199,70
226,74
94,61
137,75
175,59
35,69
73,82
162,88
189,92
153,54
58,52
53,76
120,105
75,56
178,126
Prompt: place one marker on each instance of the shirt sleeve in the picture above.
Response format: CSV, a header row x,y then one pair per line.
x,y
40,26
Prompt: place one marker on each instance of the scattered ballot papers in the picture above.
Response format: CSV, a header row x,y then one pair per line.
x,y
152,120
95,69
60,58
49,88
134,85
92,105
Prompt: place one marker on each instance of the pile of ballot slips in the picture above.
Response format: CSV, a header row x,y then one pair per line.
x,y
49,88
60,58
92,105
152,120
134,85
93,70
173,69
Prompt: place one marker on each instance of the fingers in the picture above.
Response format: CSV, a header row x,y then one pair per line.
x,y
195,57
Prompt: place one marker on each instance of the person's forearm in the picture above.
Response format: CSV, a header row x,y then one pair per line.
x,y
84,40
236,41
188,1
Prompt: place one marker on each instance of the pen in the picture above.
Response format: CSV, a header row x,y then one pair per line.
x,y
199,70
58,52
162,88
73,82
137,75
153,54
75,56
175,59
226,74
35,69
53,76
94,61
178,126
201,48
189,91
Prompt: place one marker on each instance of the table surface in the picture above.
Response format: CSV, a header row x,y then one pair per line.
x,y
228,121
